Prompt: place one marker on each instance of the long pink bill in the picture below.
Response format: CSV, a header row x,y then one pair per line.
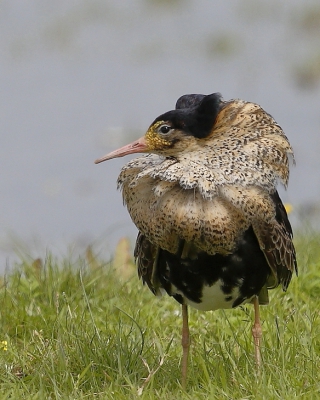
x,y
138,146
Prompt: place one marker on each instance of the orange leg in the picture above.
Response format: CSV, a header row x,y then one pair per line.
x,y
185,345
257,332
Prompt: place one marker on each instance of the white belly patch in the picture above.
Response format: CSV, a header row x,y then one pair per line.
x,y
213,298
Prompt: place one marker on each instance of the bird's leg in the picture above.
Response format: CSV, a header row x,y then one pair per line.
x,y
257,332
185,345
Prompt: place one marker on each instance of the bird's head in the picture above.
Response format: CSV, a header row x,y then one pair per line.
x,y
177,130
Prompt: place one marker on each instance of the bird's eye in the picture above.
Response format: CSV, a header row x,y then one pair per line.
x,y
165,129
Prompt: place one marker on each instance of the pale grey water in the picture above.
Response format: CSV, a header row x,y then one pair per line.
x,y
80,78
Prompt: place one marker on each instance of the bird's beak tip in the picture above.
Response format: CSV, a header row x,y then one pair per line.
x,y
97,161
105,158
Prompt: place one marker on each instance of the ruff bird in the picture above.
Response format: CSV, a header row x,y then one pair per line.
x,y
213,232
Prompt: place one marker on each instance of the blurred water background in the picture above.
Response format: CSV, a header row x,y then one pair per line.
x,y
80,78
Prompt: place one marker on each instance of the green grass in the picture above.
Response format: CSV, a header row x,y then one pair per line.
x,y
86,329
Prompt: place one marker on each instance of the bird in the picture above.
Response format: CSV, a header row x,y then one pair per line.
x,y
213,231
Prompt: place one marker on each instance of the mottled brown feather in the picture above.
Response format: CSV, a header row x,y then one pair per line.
x,y
145,254
275,240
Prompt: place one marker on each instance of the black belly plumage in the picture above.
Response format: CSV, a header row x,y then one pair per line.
x,y
246,269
